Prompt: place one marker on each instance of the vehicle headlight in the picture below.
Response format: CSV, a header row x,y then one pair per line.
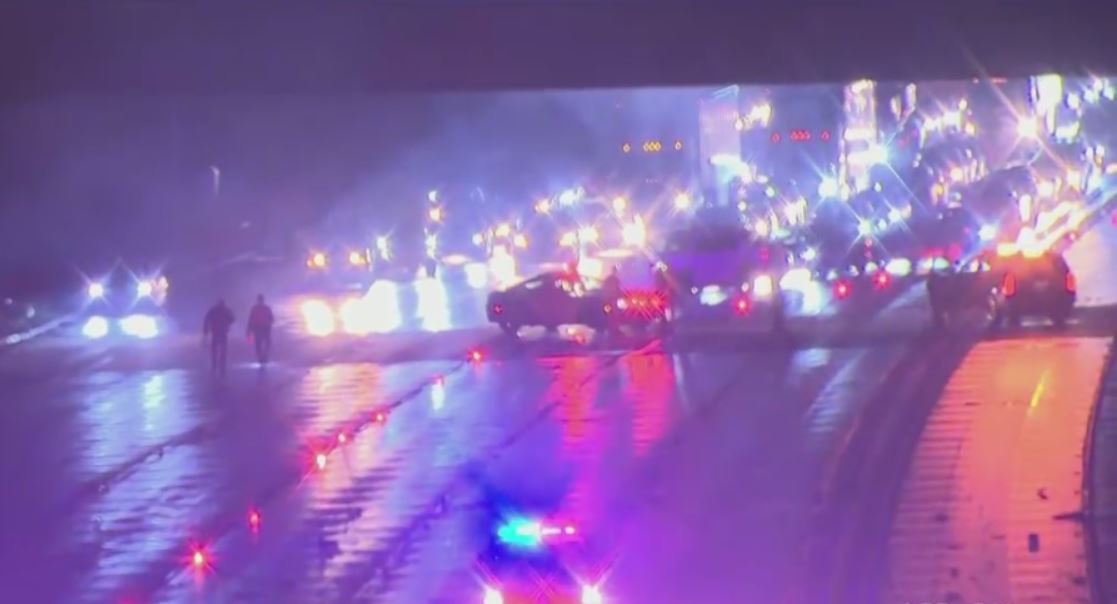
x,y
478,239
144,289
519,241
568,239
316,260
864,227
95,291
140,326
987,232
356,258
95,328
591,594
492,596
1046,188
763,286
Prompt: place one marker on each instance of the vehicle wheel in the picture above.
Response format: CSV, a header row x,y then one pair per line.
x,y
510,329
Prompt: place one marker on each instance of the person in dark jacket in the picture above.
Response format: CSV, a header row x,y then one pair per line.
x,y
216,326
260,321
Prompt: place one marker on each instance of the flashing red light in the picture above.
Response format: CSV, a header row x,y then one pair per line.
x,y
881,280
475,356
776,137
825,136
379,417
842,290
1008,288
199,559
799,136
254,519
320,461
741,306
1071,283
569,530
498,309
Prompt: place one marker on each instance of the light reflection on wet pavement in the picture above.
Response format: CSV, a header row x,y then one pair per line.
x,y
157,462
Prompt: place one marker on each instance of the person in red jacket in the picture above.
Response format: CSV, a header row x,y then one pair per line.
x,y
260,321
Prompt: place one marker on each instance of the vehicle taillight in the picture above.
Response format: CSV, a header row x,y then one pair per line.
x,y
1071,283
841,290
880,280
741,306
1008,288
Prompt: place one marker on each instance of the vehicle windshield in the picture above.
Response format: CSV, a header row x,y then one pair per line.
x,y
489,321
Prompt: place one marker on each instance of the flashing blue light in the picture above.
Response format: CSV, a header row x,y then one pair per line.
x,y
521,533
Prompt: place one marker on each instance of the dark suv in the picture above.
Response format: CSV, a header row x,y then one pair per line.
x,y
1034,285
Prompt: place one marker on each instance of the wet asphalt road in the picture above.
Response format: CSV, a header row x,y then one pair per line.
x,y
694,473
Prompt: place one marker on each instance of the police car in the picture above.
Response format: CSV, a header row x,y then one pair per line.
x,y
124,300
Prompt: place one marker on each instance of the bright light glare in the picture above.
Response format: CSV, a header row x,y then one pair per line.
x,y
476,275
682,201
478,239
520,241
140,326
591,267
619,205
144,289
635,233
900,267
492,596
987,232
957,174
876,154
828,187
503,230
1046,188
797,279
588,234
318,318
95,328
317,260
592,595
895,215
568,239
763,286
356,318
809,254
1027,128
864,227
96,291
502,265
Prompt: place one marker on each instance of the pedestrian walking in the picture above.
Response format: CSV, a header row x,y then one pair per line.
x,y
260,321
216,327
